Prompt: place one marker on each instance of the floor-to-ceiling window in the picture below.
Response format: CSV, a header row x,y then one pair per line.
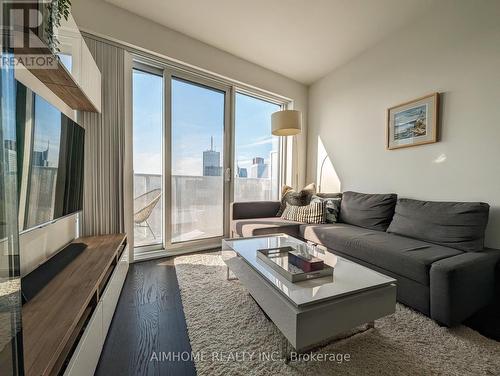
x,y
197,142
148,157
257,152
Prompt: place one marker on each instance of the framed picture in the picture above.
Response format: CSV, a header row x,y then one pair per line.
x,y
413,123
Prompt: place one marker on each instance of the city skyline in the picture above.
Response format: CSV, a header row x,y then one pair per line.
x,y
197,115
212,165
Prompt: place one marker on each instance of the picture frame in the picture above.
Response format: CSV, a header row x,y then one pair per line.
x,y
413,123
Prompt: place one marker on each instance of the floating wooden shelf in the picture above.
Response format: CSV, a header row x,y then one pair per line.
x,y
55,318
80,89
59,80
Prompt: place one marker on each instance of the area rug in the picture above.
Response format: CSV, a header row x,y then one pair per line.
x,y
231,336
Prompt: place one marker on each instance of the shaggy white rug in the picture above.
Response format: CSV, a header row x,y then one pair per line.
x,y
230,336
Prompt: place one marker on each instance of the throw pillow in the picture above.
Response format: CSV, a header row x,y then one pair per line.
x,y
372,211
292,197
314,213
332,207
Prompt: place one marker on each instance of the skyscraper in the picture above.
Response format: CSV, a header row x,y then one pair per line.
x,y
211,161
11,156
242,172
257,160
259,169
41,158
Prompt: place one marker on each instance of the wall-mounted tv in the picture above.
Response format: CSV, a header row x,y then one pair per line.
x,y
50,151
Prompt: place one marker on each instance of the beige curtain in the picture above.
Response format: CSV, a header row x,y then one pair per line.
x,y
103,200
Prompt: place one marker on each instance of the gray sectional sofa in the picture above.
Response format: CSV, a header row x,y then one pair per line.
x,y
435,250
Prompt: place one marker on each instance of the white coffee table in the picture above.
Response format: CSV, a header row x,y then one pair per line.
x,y
312,312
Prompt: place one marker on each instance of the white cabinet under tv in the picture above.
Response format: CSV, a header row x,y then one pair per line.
x,y
86,356
65,324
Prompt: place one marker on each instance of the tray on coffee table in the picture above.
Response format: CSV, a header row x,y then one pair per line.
x,y
284,261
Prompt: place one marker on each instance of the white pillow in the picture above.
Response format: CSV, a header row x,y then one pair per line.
x,y
314,213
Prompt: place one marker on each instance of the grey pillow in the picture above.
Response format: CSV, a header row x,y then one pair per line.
x,y
372,211
332,206
292,197
459,225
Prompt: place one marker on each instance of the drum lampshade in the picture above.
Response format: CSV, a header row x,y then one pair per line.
x,y
286,123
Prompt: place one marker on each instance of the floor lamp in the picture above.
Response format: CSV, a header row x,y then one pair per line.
x,y
321,173
288,123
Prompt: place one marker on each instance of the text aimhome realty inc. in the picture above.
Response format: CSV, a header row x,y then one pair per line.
x,y
245,356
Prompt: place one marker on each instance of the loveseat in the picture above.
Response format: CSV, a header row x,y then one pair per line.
x,y
435,250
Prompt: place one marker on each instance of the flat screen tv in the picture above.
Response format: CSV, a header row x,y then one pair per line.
x,y
50,151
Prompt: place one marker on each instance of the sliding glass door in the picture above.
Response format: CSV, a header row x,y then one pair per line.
x,y
198,145
197,161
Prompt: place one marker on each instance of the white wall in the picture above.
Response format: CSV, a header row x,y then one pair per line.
x,y
454,50
101,18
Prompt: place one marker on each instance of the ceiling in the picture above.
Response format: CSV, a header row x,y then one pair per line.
x,y
301,39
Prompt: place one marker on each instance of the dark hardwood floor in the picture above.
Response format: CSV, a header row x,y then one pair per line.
x,y
149,320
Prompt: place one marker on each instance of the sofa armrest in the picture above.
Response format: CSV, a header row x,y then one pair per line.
x,y
461,285
254,209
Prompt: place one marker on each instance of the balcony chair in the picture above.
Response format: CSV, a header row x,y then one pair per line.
x,y
144,204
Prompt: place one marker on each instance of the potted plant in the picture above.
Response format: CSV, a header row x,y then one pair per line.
x,y
55,11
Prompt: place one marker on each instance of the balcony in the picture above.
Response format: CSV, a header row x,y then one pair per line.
x,y
197,205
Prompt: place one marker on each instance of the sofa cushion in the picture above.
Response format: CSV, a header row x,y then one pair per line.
x,y
459,225
264,226
372,211
254,209
407,257
289,196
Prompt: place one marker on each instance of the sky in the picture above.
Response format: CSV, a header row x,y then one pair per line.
x,y
253,129
197,115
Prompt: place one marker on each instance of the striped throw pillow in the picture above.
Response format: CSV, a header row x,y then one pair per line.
x,y
313,213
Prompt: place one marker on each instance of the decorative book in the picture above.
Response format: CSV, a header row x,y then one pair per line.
x,y
295,265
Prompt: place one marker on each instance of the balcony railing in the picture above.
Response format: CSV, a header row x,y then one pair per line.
x,y
196,205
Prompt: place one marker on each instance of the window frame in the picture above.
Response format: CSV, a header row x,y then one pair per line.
x,y
281,140
146,248
169,69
